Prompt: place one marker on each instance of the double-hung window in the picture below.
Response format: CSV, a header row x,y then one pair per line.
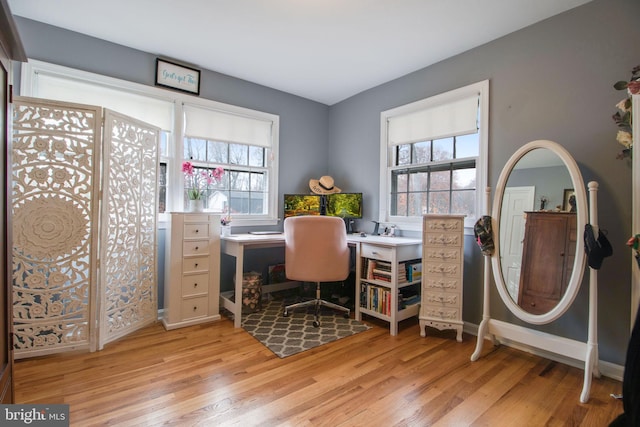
x,y
242,144
433,157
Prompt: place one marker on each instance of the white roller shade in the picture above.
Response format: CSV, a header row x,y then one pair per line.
x,y
150,110
221,126
450,119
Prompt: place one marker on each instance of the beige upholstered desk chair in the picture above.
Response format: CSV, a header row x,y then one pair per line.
x,y
316,250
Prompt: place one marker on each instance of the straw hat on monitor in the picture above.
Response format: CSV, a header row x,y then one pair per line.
x,y
324,185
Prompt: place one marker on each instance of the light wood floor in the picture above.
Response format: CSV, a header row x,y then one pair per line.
x,y
213,374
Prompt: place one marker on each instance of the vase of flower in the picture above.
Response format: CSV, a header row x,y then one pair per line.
x,y
199,181
225,225
196,205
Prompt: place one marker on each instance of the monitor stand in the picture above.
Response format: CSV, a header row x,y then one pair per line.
x,y
348,222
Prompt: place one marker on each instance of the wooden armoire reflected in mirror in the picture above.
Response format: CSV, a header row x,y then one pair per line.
x,y
551,236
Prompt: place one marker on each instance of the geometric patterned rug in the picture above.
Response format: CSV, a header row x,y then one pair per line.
x,y
286,336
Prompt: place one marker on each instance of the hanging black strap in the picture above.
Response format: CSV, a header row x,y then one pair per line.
x,y
596,249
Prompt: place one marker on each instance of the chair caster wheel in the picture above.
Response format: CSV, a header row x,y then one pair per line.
x,y
285,313
316,324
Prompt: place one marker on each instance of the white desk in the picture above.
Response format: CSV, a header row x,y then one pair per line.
x,y
235,245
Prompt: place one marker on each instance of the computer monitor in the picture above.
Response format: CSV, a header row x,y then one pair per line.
x,y
344,205
302,204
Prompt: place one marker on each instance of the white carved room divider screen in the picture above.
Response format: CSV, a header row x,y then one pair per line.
x,y
62,300
128,285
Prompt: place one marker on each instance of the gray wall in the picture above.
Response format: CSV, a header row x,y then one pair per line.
x,y
548,181
304,124
552,80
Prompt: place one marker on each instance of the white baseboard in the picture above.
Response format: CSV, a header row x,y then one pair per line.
x,y
547,341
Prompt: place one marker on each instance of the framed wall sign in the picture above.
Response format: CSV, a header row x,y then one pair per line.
x,y
174,76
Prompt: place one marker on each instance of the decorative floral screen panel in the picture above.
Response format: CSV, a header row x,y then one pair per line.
x,y
55,155
84,269
128,285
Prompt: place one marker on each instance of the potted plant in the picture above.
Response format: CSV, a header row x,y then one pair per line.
x,y
197,184
225,225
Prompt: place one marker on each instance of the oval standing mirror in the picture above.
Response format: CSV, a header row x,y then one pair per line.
x,y
540,211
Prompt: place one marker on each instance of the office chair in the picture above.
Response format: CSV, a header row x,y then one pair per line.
x,y
316,250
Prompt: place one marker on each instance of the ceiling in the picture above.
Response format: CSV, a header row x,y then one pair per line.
x,y
323,50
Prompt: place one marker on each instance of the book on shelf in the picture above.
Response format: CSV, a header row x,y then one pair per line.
x,y
387,303
411,300
370,266
383,265
414,271
402,272
409,295
381,275
375,298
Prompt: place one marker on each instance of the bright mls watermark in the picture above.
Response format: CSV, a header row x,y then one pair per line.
x,y
34,415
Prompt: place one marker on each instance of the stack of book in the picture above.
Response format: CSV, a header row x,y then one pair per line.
x,y
402,272
408,297
381,270
378,270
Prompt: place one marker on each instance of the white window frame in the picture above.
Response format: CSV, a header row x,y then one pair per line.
x,y
271,218
175,178
414,223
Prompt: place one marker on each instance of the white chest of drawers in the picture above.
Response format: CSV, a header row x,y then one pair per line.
x,y
442,272
192,270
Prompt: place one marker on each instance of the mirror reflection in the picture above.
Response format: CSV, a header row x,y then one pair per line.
x,y
538,231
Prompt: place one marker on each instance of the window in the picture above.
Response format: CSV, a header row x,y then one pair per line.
x,y
243,188
433,157
244,142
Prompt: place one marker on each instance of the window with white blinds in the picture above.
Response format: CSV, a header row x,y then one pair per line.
x,y
241,144
223,126
436,122
433,157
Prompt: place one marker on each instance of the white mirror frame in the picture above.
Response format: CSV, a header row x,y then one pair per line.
x,y
582,217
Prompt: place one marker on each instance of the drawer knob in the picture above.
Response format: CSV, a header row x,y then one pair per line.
x,y
197,231
196,248
195,285
196,264
195,308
